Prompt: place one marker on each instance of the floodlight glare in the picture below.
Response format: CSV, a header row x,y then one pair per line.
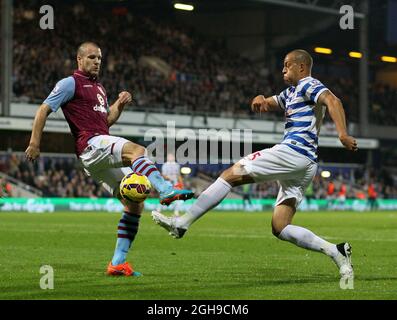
x,y
182,6
356,55
325,174
323,50
389,59
186,170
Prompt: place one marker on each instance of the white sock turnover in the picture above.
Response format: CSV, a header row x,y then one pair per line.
x,y
209,199
306,239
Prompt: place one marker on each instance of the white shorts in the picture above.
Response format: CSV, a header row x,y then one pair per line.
x,y
101,160
290,169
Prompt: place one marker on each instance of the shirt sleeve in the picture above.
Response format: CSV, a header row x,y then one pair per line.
x,y
314,89
62,93
281,99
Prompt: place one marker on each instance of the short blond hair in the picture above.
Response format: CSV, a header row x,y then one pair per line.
x,y
82,47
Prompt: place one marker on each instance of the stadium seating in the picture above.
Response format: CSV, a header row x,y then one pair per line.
x,y
197,75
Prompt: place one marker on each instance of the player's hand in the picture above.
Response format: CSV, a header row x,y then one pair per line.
x,y
125,97
259,104
349,142
32,153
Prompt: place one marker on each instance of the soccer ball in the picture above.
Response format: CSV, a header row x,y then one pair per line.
x,y
135,187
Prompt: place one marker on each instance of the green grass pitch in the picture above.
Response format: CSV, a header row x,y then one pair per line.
x,y
223,256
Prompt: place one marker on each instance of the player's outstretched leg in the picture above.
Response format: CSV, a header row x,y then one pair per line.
x,y
134,155
210,198
127,230
304,238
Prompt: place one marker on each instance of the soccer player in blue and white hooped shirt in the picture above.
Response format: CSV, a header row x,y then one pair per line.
x,y
293,162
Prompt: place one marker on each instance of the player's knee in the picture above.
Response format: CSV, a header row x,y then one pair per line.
x,y
229,177
236,175
138,150
227,174
131,151
277,228
133,207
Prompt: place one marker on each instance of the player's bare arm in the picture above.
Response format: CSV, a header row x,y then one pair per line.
x,y
117,108
33,150
335,109
262,104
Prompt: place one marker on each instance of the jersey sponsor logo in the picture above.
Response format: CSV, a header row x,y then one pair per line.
x,y
100,99
100,108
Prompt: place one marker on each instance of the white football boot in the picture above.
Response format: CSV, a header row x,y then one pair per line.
x,y
343,260
170,224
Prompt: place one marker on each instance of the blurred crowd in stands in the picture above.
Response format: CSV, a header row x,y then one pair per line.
x,y
192,75
357,183
383,103
54,177
168,67
5,188
62,177
333,188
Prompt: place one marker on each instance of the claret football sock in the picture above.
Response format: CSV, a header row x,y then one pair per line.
x,y
306,239
146,167
209,199
127,230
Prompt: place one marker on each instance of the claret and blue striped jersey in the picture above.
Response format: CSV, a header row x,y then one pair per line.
x,y
303,116
85,106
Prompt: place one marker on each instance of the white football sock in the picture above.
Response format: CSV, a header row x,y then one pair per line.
x,y
209,199
308,240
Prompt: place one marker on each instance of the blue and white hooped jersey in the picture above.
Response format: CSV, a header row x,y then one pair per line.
x,y
303,116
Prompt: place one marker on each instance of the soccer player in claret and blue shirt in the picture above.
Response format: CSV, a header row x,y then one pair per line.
x,y
105,158
293,162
